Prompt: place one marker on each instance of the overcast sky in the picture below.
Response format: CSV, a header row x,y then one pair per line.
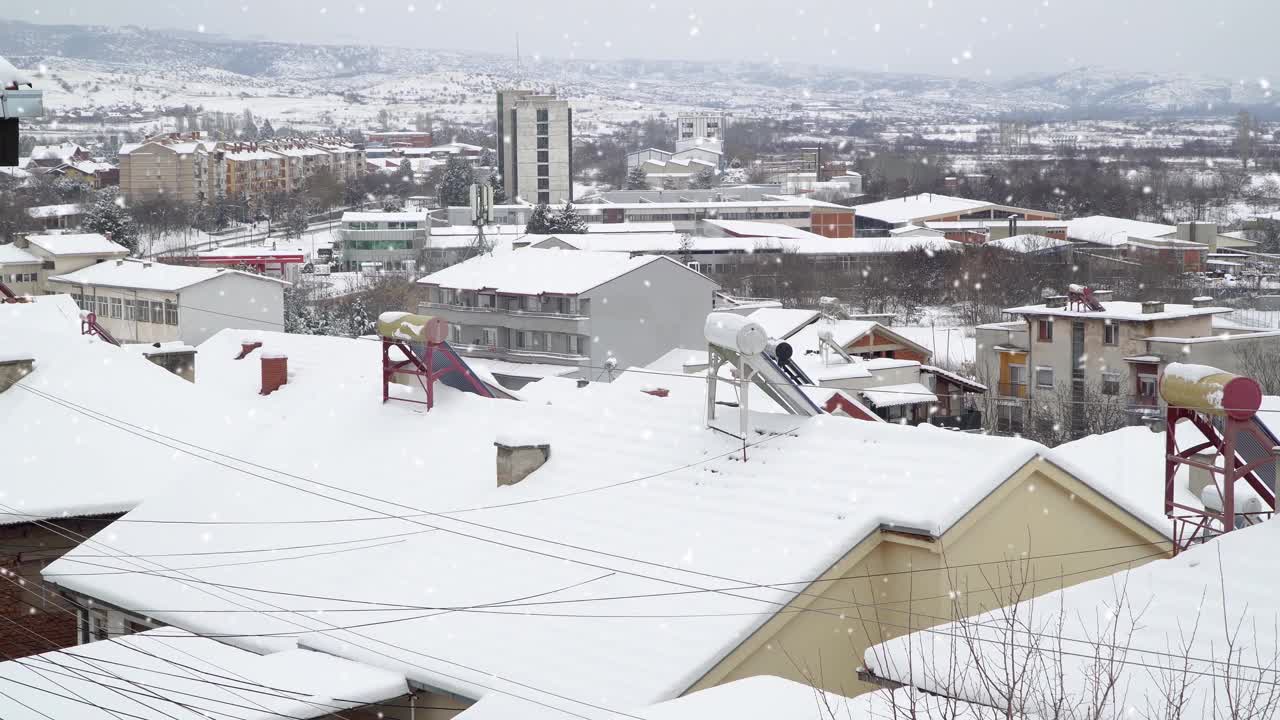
x,y
1230,38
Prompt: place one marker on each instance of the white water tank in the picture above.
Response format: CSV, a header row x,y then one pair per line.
x,y
735,332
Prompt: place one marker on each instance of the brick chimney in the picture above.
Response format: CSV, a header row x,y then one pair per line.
x,y
247,346
516,462
275,371
13,368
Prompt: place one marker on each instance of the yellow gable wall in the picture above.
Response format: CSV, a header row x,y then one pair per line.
x,y
894,581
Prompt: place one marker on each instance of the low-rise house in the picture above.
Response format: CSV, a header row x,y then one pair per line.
x,y
20,270
591,310
44,158
146,302
383,241
1153,240
846,532
927,208
93,173
64,253
1114,350
65,216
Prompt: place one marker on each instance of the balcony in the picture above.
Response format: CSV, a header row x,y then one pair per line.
x,y
535,320
1145,404
1012,390
504,311
524,355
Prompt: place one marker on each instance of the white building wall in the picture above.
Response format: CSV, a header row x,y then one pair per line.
x,y
233,300
638,317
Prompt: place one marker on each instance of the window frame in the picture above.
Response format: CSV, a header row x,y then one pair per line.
x,y
1110,333
1111,382
1044,330
1043,369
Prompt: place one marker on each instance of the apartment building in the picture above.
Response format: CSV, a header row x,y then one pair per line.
x,y
192,168
383,241
589,310
535,146
143,302
1066,348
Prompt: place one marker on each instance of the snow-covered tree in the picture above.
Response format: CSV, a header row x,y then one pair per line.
x,y
568,221
636,179
296,222
499,193
266,132
486,158
705,179
668,184
541,222
455,188
108,216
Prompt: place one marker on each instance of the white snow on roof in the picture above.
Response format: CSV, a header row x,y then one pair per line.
x,y
1028,243
144,275
1125,310
913,208
894,395
10,75
78,244
1114,231
758,228
11,254
71,455
762,697
532,271
443,461
782,323
420,217
48,211
166,673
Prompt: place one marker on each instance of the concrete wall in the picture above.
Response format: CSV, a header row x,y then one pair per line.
x,y
639,316
894,582
115,320
525,137
232,300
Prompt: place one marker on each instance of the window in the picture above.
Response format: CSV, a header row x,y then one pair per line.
x,y
517,339
157,312
98,624
128,310
543,115
104,309
544,156
170,312
544,171
544,198
1110,383
544,142
1110,333
575,345
1147,386
1044,377
1045,330
117,308
455,334
489,337
544,183
543,128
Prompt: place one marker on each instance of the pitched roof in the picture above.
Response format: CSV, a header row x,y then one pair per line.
x,y
532,271
600,435
179,671
1028,243
1114,231
48,211
144,275
11,254
78,244
912,208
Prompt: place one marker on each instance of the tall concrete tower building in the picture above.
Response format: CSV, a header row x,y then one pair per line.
x,y
535,146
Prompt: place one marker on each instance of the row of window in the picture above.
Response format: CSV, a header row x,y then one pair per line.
x,y
1111,381
519,340
19,277
1110,332
149,311
388,225
380,244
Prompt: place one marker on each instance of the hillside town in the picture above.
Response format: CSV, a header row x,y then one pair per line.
x,y
549,413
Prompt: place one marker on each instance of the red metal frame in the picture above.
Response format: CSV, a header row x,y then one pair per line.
x,y
1195,525
421,368
89,326
9,295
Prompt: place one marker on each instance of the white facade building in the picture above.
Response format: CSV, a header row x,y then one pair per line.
x,y
711,125
138,301
535,146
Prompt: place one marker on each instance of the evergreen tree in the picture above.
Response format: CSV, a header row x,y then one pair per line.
x,y
455,188
636,179
704,180
486,158
499,193
568,221
296,222
108,216
668,184
541,221
266,132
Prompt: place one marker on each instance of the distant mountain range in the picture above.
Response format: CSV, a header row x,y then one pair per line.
x,y
336,68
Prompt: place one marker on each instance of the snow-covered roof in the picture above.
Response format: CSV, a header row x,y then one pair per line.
x,y
916,208
761,697
62,151
894,395
1028,243
144,275
842,332
1125,310
812,245
11,76
602,439
782,323
420,217
78,244
70,454
11,254
251,251
758,228
48,211
533,271
251,155
1114,231
170,674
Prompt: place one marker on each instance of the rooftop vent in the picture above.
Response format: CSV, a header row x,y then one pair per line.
x,y
1202,301
13,368
1151,307
1055,301
517,461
